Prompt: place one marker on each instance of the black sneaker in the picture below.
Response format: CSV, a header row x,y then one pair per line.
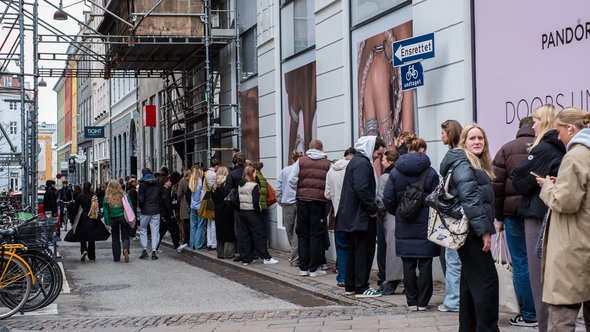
x,y
519,321
144,255
154,256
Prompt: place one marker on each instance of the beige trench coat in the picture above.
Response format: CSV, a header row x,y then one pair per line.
x,y
565,264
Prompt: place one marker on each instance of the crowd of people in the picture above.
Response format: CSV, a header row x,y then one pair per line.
x,y
535,190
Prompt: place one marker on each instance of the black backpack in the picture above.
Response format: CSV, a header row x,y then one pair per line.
x,y
410,203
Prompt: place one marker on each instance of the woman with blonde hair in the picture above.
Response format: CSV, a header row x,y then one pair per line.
x,y
114,218
197,224
470,170
566,246
224,217
544,158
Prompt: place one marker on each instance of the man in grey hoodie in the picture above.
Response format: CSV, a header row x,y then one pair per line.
x,y
287,201
334,180
308,179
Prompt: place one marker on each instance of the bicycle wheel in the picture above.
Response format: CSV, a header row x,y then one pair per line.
x,y
15,283
48,281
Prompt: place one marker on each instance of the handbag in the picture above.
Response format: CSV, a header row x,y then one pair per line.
x,y
508,302
233,199
447,223
271,195
207,208
128,212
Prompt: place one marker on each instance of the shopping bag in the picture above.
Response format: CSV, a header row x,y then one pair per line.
x,y
271,195
207,209
508,302
128,212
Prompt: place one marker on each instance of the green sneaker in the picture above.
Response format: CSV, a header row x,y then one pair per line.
x,y
370,292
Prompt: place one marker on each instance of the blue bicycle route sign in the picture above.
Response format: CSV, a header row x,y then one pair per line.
x,y
412,49
412,76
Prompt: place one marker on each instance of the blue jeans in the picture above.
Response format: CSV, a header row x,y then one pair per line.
x,y
452,279
341,248
515,238
198,227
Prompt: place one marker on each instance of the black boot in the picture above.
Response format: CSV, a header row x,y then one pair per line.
x,y
144,254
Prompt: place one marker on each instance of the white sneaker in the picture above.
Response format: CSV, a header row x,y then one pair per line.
x,y
270,261
303,273
181,247
324,267
318,273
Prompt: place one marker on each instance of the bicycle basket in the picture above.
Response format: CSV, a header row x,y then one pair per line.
x,y
35,234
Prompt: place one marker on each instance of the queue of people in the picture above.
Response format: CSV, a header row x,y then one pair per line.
x,y
535,190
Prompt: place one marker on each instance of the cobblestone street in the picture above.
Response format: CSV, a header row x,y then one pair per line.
x,y
186,293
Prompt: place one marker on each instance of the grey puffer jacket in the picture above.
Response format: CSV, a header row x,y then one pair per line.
x,y
473,188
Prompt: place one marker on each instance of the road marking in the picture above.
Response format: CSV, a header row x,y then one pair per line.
x,y
65,288
48,310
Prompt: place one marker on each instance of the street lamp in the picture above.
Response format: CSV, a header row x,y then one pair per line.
x,y
42,83
60,15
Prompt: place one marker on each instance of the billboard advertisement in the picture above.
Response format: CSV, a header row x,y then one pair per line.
x,y
536,54
250,124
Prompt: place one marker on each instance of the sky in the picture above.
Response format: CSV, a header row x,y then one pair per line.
x,y
47,97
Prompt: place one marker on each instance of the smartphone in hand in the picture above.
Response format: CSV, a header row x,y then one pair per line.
x,y
536,175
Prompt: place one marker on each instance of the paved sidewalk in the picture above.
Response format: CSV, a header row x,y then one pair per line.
x,y
385,313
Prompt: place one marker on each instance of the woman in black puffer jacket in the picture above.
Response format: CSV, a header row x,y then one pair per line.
x,y
544,159
411,244
471,174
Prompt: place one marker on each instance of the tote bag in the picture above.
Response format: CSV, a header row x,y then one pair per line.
x,y
128,212
508,302
447,223
207,209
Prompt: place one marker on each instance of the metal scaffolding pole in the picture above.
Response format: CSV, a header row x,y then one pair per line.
x,y
35,112
23,158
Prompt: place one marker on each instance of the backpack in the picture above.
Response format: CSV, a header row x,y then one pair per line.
x,y
411,201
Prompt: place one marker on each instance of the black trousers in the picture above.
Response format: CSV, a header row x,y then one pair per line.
x,y
418,288
186,228
252,236
311,229
90,248
169,224
120,231
381,250
359,258
479,288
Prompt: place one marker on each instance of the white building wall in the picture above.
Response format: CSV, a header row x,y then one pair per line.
x,y
447,91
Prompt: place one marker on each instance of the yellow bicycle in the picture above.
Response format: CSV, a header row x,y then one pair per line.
x,y
16,279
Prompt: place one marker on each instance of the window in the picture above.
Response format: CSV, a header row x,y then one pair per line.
x,y
248,54
361,10
297,27
13,106
13,130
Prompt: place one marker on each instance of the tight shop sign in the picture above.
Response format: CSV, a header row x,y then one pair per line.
x,y
94,132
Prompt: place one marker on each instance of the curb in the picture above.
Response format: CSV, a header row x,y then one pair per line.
x,y
315,290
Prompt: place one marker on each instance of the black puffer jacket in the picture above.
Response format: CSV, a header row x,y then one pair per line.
x,y
151,193
508,157
410,235
234,178
544,159
473,188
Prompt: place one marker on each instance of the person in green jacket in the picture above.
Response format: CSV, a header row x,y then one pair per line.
x,y
261,180
114,218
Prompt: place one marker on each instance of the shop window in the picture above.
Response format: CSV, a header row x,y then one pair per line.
x,y
362,10
249,54
297,27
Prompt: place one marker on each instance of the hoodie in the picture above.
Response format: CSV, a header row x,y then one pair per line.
x,y
308,176
582,137
150,194
334,180
285,194
365,146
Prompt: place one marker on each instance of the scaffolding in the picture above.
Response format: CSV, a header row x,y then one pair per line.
x,y
144,39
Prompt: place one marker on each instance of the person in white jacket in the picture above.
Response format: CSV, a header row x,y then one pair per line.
x,y
333,190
